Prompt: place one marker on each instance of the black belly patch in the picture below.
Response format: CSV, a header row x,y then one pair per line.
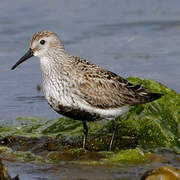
x,y
73,112
76,114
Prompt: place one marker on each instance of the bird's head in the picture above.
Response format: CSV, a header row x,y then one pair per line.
x,y
42,44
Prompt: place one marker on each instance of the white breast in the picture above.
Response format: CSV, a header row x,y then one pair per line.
x,y
56,86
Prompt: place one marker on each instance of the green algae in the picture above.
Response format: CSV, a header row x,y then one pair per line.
x,y
157,124
130,156
26,126
80,156
21,156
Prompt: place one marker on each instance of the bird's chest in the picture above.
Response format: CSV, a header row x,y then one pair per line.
x,y
58,91
62,100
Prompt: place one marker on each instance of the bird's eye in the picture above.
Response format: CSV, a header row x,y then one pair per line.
x,y
42,42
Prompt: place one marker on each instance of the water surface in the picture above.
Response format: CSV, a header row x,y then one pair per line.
x,y
132,38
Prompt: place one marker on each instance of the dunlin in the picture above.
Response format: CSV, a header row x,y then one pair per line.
x,y
79,89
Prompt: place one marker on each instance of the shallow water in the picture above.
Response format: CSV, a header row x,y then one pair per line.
x,y
132,38
28,171
71,171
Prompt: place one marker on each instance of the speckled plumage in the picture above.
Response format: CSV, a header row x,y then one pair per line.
x,y
86,85
79,89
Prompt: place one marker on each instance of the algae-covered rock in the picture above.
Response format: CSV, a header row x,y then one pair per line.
x,y
155,124
148,126
163,173
131,156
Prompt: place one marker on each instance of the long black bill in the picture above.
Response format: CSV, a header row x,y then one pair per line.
x,y
24,58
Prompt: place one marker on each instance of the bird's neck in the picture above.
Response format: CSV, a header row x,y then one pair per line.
x,y
53,61
54,75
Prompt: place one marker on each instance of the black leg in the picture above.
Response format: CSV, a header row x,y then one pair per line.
x,y
85,131
114,128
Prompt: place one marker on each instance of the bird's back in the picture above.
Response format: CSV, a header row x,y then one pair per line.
x,y
104,89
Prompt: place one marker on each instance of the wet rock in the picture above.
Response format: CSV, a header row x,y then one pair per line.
x,y
75,155
7,141
4,175
155,158
163,173
35,145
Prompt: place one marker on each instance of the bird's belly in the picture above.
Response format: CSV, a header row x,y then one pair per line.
x,y
72,110
81,111
78,114
109,113
66,103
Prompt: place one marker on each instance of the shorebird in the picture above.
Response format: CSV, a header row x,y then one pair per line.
x,y
79,89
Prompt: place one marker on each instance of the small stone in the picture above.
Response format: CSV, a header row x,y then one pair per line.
x,y
162,173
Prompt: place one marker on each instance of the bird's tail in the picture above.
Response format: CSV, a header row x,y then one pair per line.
x,y
148,97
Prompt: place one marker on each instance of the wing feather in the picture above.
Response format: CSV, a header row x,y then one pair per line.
x,y
104,89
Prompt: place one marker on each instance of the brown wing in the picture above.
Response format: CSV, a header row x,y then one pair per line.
x,y
105,89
